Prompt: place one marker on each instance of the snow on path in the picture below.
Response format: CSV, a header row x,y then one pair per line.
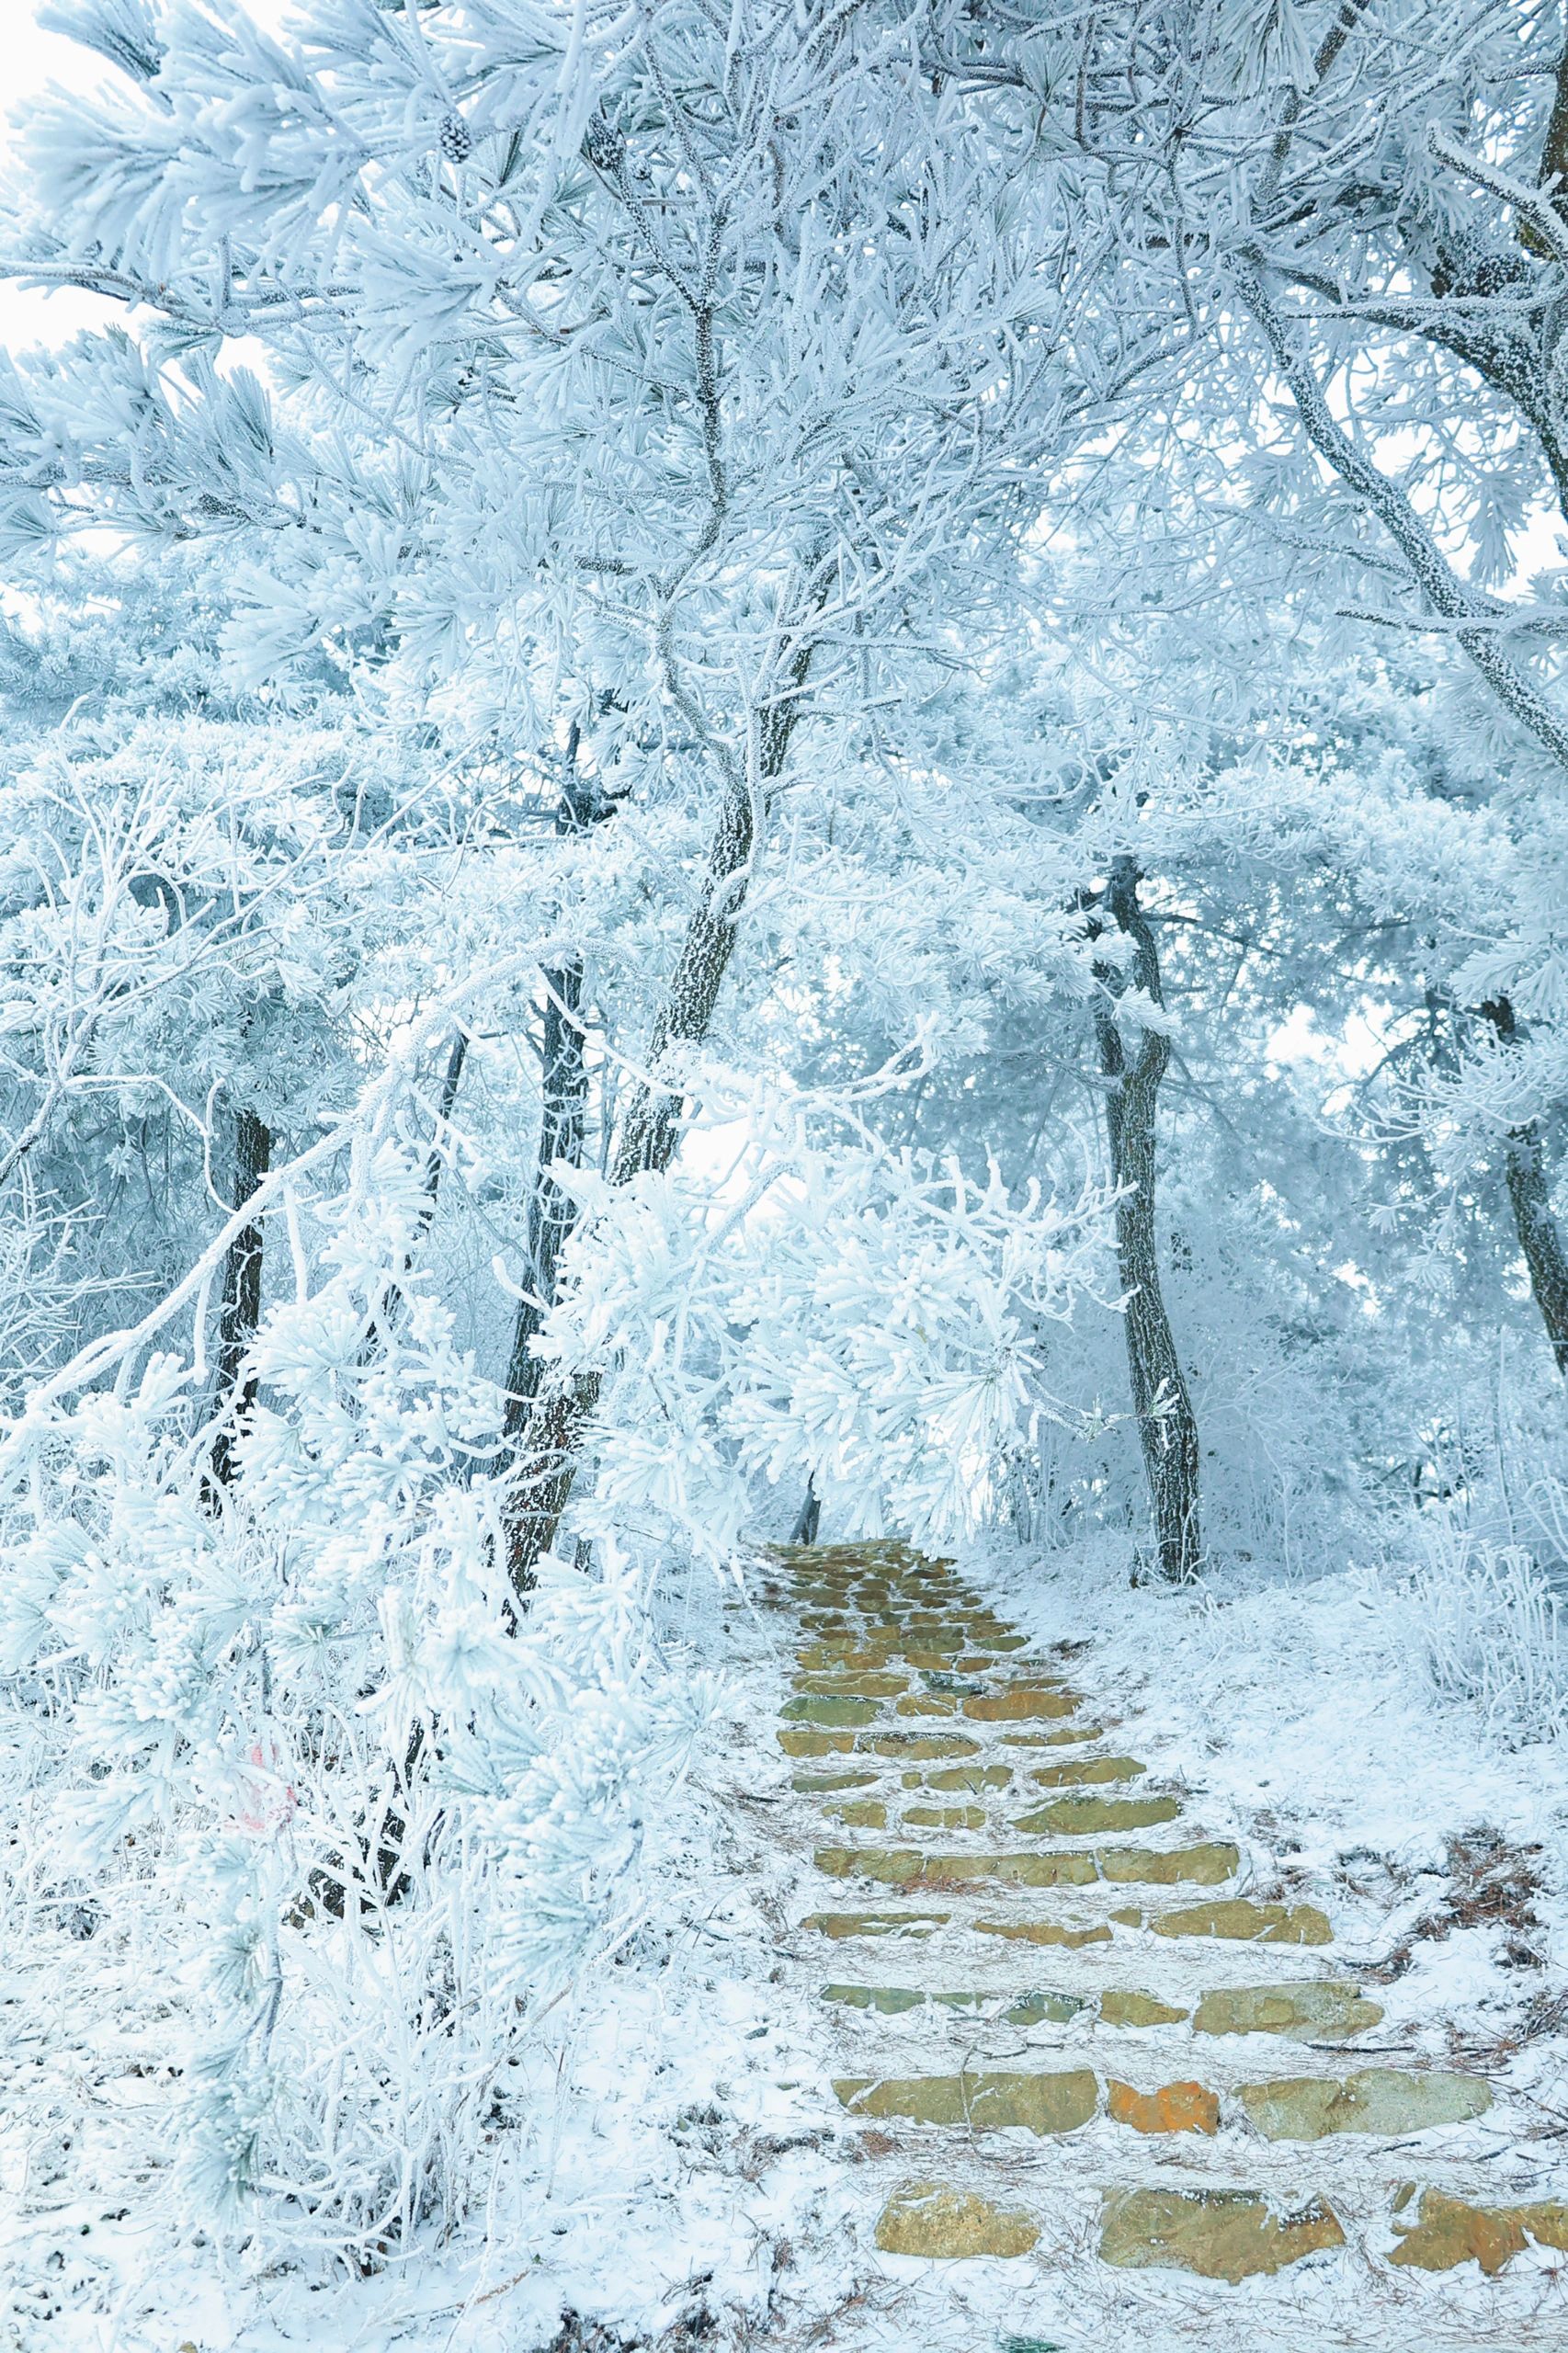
x,y
984,1992
1103,2073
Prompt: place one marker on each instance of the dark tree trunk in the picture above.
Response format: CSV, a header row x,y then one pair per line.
x,y
239,1309
1529,1195
551,1212
809,1521
436,1163
1167,1428
546,1455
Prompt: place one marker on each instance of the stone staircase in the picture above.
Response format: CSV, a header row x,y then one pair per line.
x,y
1024,1941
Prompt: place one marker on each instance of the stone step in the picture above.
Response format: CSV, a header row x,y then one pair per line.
x,y
940,1817
816,1710
1384,2103
867,1684
1314,2010
989,2100
1231,2235
1220,2233
1070,1937
840,1925
1207,1865
1083,1817
1442,2232
1235,1919
933,2220
1086,1768
917,1708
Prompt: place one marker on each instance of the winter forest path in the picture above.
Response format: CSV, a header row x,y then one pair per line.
x,y
1071,2041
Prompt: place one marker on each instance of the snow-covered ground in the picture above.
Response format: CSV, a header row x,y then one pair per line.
x,y
668,2165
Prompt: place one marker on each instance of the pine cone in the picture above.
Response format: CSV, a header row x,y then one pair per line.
x,y
457,140
604,146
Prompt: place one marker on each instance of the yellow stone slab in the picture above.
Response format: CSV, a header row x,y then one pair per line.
x,y
812,1709
931,2219
1309,2012
989,2100
1447,2232
840,1925
1019,1707
865,1686
1218,2234
907,1867
1206,1865
1044,1932
1080,1817
800,1743
916,1746
1120,2008
1261,1924
860,1813
1079,1769
888,2001
961,1777
822,1784
1384,2101
854,1655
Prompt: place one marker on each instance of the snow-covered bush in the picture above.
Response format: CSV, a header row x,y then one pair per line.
x,y
876,1322
334,1813
1491,1631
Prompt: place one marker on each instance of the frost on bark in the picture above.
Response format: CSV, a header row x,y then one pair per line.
x,y
531,1419
553,1427
1132,1069
562,1118
239,1310
1529,1196
809,1520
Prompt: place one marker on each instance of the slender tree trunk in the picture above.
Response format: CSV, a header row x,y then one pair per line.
x,y
239,1310
551,1210
1167,1428
434,1164
554,1428
1429,567
1529,1195
809,1521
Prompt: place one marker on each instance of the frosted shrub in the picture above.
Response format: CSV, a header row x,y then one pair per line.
x,y
342,1825
873,1319
1491,1632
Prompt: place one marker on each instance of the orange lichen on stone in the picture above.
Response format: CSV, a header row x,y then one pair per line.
x,y
1175,2107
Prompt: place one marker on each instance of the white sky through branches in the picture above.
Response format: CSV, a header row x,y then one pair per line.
x,y
33,59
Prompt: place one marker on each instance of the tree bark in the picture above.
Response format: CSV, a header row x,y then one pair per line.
x,y
1167,1427
1428,566
1529,1195
239,1310
532,1423
806,1529
551,1210
554,1427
